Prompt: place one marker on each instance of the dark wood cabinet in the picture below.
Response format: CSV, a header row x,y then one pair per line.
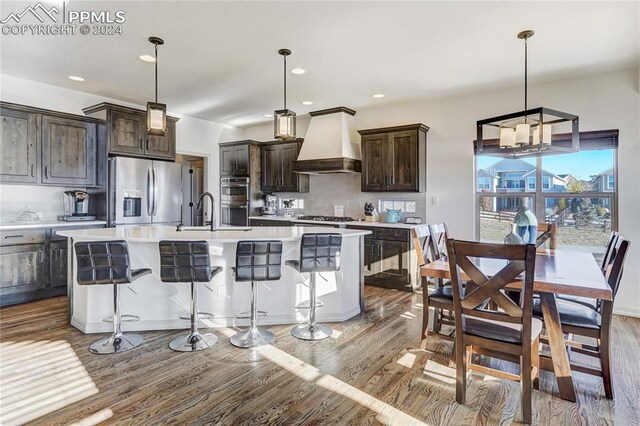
x,y
389,258
269,222
58,264
18,146
394,159
235,160
127,132
277,168
68,151
22,269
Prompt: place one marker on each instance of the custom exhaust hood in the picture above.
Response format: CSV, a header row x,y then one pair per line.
x,y
331,144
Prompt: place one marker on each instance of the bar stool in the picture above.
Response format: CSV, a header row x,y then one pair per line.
x,y
318,253
107,262
256,261
188,262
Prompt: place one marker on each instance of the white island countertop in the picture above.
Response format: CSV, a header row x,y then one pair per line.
x,y
228,235
18,225
293,219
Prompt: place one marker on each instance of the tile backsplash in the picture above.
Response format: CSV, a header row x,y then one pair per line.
x,y
45,199
326,191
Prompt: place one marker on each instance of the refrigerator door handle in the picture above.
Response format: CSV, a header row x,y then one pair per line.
x,y
155,192
149,191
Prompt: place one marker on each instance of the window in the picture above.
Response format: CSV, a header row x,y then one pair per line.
x,y
577,192
484,183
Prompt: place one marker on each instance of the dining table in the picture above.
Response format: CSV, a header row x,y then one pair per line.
x,y
557,272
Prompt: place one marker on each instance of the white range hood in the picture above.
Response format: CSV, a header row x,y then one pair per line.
x,y
331,144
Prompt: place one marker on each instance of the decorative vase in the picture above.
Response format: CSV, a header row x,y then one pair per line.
x,y
513,237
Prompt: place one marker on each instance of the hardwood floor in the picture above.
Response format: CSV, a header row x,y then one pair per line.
x,y
370,372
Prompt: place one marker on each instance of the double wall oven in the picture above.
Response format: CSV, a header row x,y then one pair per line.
x,y
234,201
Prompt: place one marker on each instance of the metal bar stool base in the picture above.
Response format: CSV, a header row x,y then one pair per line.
x,y
311,332
193,342
252,338
114,345
201,316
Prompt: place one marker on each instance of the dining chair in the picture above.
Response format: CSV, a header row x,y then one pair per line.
x,y
605,260
577,319
441,299
510,331
549,232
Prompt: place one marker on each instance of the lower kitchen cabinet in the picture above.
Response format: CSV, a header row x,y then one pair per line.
x,y
269,222
58,251
389,258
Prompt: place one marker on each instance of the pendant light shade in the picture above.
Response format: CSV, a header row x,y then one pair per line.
x,y
156,112
507,137
284,120
522,134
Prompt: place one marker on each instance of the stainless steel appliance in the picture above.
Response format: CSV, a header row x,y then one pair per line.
x,y
234,201
269,208
76,206
330,221
144,191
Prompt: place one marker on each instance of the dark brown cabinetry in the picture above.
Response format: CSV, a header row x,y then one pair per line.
x,y
277,168
18,146
234,160
394,159
58,263
48,147
269,222
389,258
68,151
127,132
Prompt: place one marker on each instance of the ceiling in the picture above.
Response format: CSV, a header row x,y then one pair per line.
x,y
220,60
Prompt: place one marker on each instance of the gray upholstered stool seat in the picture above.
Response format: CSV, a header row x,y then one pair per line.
x,y
256,261
319,252
188,262
103,263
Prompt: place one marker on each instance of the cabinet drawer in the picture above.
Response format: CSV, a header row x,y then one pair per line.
x,y
11,238
395,234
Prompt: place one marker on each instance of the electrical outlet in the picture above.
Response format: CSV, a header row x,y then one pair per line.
x,y
434,200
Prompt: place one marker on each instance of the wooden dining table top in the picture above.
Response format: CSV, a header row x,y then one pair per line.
x,y
557,271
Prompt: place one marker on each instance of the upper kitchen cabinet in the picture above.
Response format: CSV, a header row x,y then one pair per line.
x,y
277,167
18,146
394,159
127,132
48,147
68,151
236,157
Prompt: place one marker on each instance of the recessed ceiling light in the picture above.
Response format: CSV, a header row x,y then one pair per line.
x,y
307,103
298,71
147,58
75,78
268,115
378,95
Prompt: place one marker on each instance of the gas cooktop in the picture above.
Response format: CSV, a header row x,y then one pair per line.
x,y
327,218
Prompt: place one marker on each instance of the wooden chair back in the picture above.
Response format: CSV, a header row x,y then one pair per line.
x,y
421,236
615,267
608,254
549,232
438,240
471,303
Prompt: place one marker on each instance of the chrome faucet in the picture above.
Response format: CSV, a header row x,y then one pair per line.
x,y
213,209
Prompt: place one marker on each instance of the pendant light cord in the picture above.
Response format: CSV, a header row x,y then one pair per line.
x,y
525,75
156,73
285,81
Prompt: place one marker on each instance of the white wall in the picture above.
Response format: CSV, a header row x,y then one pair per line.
x,y
604,101
193,136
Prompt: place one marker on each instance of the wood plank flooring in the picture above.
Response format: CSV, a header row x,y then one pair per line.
x,y
370,372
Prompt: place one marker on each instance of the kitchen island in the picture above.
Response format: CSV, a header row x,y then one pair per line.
x,y
160,305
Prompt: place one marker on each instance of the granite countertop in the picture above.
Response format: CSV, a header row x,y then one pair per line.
x,y
396,225
43,224
229,235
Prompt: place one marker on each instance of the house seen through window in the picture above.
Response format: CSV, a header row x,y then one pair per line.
x,y
577,192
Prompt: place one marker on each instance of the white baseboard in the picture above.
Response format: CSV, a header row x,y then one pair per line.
x,y
628,312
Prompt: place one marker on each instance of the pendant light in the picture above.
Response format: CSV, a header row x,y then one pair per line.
x,y
156,112
284,120
528,132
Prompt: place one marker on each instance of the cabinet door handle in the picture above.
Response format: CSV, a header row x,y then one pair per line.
x,y
41,255
140,143
32,169
393,179
386,178
46,172
380,251
373,249
13,236
147,144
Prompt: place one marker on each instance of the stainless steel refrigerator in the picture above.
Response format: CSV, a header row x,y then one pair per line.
x,y
144,192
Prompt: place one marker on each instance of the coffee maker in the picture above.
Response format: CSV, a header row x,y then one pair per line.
x,y
76,206
270,208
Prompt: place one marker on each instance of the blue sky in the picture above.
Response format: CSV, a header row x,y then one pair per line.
x,y
579,164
